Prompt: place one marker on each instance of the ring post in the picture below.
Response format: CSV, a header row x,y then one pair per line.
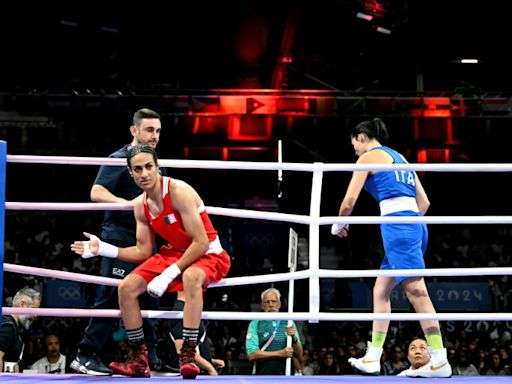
x,y
314,243
292,264
3,162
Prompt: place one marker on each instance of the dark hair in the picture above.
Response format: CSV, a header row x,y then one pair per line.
x,y
414,339
144,113
136,149
48,335
374,129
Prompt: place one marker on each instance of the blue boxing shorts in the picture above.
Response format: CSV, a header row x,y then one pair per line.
x,y
404,245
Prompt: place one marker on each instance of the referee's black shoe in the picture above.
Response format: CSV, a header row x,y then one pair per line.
x,y
161,366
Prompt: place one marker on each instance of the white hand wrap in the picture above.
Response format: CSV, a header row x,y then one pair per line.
x,y
336,228
105,249
159,284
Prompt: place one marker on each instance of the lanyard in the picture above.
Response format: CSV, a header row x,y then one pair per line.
x,y
271,338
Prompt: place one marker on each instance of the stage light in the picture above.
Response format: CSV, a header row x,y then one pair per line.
x,y
364,16
383,30
469,61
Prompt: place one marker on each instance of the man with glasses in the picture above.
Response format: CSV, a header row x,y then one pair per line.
x,y
266,340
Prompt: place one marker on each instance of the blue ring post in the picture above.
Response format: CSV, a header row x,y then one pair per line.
x,y
3,163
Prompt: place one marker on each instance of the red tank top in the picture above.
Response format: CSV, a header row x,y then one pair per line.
x,y
168,223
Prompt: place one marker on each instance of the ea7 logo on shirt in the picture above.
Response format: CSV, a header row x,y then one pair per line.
x,y
118,271
170,219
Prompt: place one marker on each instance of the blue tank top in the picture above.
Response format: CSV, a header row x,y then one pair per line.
x,y
388,184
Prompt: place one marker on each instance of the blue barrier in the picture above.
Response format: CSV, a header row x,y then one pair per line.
x,y
472,297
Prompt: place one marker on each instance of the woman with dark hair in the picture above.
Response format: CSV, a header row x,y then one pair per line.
x,y
494,366
329,365
192,259
417,355
399,193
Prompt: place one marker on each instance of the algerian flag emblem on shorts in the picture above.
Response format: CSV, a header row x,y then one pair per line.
x,y
170,219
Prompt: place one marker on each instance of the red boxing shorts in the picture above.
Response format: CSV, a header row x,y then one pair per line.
x,y
215,266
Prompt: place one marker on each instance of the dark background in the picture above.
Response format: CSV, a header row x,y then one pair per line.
x,y
236,44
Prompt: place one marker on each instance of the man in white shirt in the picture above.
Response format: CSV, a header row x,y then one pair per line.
x,y
54,361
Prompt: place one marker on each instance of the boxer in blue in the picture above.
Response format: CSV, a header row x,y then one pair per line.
x,y
399,193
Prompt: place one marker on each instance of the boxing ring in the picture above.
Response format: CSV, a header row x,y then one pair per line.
x,y
313,274
21,378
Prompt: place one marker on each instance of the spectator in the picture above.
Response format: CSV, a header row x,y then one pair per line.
x,y
267,339
417,355
54,361
396,363
12,330
463,366
328,365
494,366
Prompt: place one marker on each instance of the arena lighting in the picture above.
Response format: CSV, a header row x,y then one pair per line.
x,y
109,29
468,61
364,16
69,23
383,30
376,8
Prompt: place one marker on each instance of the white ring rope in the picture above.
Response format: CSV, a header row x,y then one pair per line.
x,y
227,282
19,206
273,216
63,275
230,212
314,273
264,166
275,277
298,316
